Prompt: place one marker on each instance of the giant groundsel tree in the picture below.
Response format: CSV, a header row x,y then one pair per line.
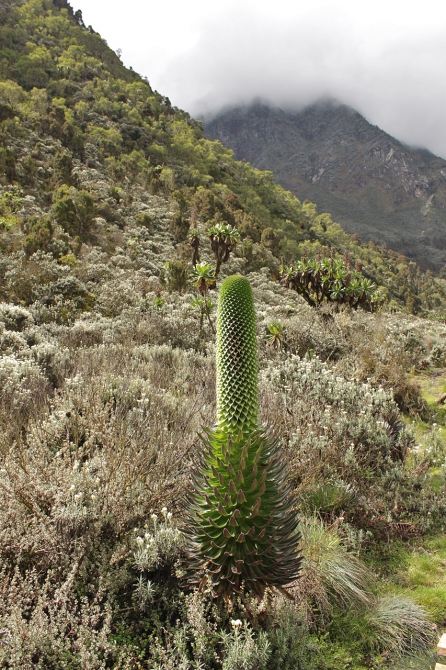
x,y
242,523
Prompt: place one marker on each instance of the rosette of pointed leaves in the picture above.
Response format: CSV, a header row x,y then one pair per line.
x,y
203,277
242,525
224,238
329,279
276,335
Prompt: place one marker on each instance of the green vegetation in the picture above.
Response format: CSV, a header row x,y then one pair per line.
x,y
108,196
424,575
243,529
74,211
61,82
327,279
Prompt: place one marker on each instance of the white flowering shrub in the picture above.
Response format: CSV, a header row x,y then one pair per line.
x,y
438,354
330,410
53,359
242,649
40,622
15,317
157,548
115,295
346,447
23,388
160,545
12,342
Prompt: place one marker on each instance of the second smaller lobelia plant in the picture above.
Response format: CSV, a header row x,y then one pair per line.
x,y
242,529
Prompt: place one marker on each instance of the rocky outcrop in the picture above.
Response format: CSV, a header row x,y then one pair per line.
x,y
370,182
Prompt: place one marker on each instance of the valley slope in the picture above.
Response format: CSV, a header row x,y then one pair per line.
x,y
371,183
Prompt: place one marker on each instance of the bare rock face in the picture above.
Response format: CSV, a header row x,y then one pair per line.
x,y
371,183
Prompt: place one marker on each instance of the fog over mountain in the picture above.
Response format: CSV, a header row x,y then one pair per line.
x,y
384,59
328,153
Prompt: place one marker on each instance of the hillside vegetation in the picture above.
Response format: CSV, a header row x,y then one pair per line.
x,y
82,137
107,378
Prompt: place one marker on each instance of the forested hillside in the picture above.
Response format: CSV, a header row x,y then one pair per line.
x,y
118,222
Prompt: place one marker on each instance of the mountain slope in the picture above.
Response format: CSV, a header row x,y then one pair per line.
x,y
371,183
107,378
92,158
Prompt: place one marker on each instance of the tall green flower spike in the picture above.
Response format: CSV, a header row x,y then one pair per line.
x,y
237,394
242,525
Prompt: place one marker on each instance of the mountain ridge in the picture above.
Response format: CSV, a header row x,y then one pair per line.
x,y
372,184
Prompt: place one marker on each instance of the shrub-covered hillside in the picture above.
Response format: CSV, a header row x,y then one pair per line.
x,y
107,378
84,140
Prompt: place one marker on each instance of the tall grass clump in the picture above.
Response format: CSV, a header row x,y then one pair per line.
x,y
332,578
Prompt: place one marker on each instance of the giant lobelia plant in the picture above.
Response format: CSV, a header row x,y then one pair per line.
x,y
242,523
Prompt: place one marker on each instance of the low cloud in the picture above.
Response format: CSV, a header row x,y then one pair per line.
x,y
385,58
396,79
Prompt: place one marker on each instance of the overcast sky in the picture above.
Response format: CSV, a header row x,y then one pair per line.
x,y
385,58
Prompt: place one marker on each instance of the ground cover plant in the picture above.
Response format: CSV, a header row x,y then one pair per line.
x,y
109,198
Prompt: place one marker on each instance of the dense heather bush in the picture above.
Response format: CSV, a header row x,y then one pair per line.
x,y
346,435
15,317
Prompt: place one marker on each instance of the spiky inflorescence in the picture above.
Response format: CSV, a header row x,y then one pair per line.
x,y
237,394
242,526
